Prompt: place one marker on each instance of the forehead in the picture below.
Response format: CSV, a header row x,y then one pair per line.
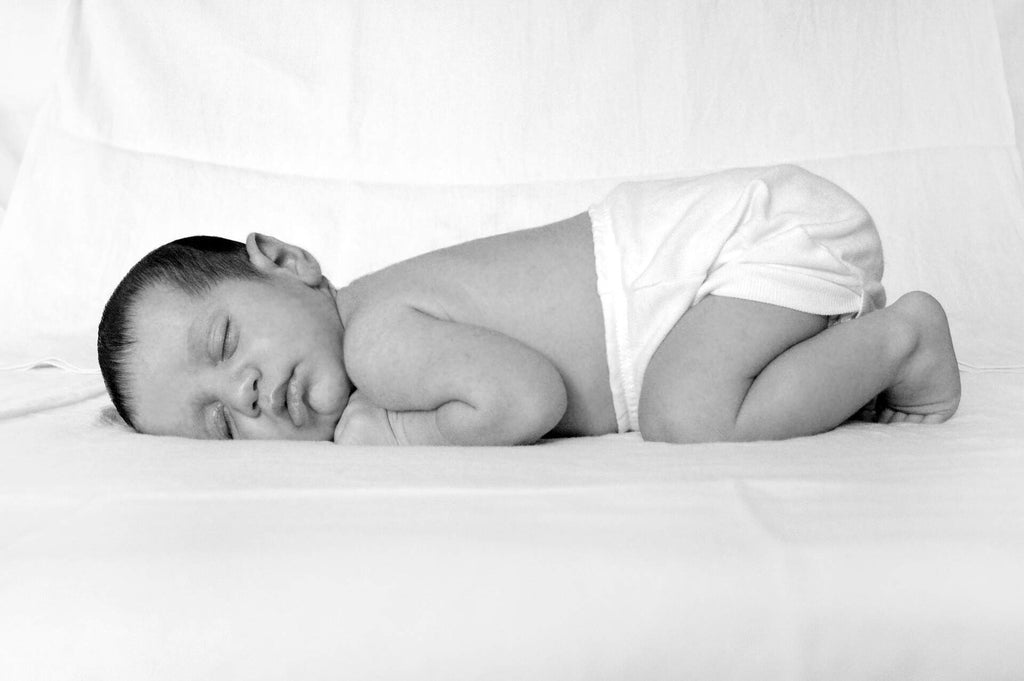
x,y
166,326
163,304
164,309
160,302
161,316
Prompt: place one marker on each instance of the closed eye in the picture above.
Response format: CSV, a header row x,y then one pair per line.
x,y
227,432
228,427
224,342
230,339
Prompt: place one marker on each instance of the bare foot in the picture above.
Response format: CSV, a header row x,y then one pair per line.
x,y
927,387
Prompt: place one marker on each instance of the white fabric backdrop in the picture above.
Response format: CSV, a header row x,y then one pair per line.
x,y
371,131
1010,20
29,47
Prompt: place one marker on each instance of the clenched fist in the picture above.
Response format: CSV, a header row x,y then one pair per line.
x,y
364,424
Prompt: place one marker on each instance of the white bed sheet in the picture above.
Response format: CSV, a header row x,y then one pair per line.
x,y
869,552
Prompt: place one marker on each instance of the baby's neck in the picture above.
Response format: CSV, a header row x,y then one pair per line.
x,y
344,302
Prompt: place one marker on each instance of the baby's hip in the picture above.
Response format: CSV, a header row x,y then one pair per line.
x,y
779,235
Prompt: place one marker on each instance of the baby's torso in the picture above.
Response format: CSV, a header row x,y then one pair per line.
x,y
537,286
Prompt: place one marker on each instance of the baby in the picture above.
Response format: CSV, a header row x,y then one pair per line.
x,y
743,305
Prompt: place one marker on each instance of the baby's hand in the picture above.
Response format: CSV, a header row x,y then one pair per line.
x,y
364,423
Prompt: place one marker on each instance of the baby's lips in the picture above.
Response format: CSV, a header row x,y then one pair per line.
x,y
297,409
277,398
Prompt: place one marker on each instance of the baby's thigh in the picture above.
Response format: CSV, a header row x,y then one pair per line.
x,y
698,377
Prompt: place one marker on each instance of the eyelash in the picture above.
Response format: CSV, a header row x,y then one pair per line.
x,y
224,343
227,421
224,354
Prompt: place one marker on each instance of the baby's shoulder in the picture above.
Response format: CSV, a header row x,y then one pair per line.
x,y
371,334
380,323
392,345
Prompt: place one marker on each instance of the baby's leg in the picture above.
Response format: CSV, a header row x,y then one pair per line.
x,y
733,369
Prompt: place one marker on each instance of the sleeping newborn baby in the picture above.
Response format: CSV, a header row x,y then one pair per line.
x,y
742,305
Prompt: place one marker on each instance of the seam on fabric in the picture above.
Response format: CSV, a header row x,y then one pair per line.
x,y
661,175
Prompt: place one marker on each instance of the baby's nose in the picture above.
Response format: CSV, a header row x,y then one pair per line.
x,y
248,393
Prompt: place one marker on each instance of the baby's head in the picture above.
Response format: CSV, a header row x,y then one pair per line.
x,y
211,338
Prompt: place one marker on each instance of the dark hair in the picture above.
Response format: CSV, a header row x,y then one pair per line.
x,y
193,265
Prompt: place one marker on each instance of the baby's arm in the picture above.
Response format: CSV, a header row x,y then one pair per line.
x,y
443,382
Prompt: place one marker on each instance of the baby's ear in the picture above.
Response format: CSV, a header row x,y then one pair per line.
x,y
270,255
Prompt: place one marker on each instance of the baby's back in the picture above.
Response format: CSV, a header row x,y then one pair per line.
x,y
537,286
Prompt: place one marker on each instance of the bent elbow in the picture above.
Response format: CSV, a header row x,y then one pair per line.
x,y
526,412
546,410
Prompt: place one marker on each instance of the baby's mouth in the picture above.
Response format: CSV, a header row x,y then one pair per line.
x,y
288,397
